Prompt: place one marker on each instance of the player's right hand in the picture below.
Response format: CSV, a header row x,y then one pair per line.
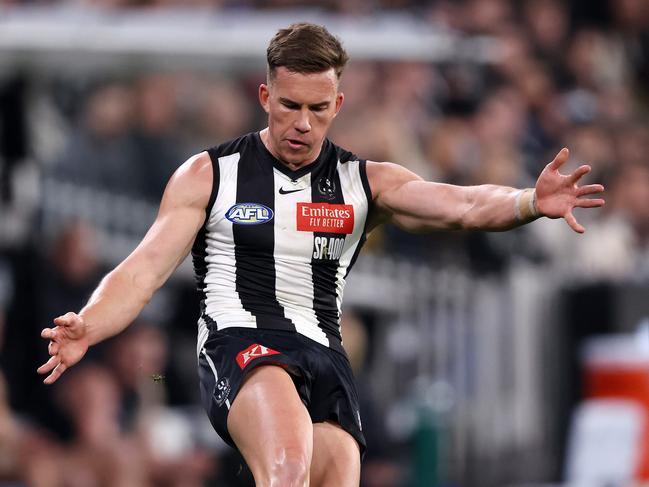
x,y
68,344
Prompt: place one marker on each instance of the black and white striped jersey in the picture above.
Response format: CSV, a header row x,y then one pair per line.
x,y
277,244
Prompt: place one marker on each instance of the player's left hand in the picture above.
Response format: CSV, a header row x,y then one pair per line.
x,y
68,343
558,194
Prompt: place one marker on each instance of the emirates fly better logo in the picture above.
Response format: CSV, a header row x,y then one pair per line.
x,y
325,217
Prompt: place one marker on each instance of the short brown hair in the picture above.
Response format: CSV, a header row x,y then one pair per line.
x,y
305,48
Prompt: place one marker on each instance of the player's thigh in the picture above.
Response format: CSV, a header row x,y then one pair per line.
x,y
336,457
270,426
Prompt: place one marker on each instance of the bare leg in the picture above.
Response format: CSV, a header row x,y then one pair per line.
x,y
336,457
272,429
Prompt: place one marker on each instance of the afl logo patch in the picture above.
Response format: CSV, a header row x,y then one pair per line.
x,y
249,214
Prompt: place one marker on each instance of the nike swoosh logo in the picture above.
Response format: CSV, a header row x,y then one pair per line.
x,y
289,191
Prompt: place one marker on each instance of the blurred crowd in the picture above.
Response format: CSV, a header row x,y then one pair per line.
x,y
100,149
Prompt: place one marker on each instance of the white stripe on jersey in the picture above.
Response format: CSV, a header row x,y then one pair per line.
x,y
223,303
353,194
293,251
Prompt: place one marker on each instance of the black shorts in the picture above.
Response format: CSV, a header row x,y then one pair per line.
x,y
323,377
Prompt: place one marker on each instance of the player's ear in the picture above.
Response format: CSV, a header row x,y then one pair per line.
x,y
340,98
264,96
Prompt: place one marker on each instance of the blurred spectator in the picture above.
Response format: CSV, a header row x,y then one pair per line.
x,y
223,111
102,153
44,286
501,118
100,454
26,454
630,16
71,272
138,358
630,191
8,435
487,16
159,148
452,150
632,142
13,130
548,20
596,61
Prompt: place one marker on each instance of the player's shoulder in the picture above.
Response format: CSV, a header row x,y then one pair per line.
x,y
385,175
191,183
382,170
198,166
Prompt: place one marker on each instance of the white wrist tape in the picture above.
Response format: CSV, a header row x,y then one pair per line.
x,y
525,205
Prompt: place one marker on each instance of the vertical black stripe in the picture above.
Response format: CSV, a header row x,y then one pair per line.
x,y
326,188
254,245
199,248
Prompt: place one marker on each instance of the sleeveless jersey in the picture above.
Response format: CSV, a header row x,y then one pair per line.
x,y
277,244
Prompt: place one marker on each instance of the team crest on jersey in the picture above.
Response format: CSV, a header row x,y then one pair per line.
x,y
327,188
222,391
244,357
249,214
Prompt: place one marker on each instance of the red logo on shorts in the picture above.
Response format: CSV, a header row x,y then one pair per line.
x,y
252,352
324,217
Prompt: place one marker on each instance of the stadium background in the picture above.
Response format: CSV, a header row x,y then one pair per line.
x,y
475,353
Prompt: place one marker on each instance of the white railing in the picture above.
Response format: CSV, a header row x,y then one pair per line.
x,y
64,38
467,350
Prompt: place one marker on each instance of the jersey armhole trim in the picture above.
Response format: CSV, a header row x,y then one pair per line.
x,y
362,168
216,179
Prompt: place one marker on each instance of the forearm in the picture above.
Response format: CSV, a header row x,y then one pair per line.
x,y
414,205
116,302
498,208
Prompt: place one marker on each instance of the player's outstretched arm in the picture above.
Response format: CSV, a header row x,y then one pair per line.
x,y
123,292
403,198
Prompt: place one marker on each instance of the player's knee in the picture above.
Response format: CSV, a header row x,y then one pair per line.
x,y
291,469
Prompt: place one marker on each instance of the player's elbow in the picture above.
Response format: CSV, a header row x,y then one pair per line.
x,y
146,284
469,217
471,214
141,284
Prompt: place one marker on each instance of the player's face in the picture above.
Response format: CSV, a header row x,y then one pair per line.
x,y
300,110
